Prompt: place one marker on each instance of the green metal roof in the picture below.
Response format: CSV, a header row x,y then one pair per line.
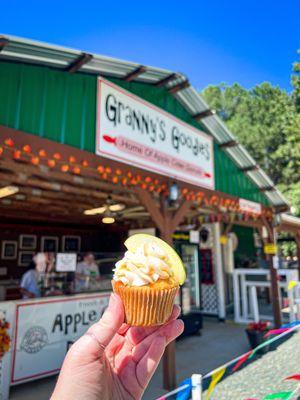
x,y
39,53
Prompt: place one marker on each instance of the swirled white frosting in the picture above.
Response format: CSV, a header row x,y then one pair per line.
x,y
147,265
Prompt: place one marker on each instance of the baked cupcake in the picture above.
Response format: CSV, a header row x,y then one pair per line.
x,y
147,280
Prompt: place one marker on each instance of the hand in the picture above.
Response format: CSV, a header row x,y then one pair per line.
x,y
114,361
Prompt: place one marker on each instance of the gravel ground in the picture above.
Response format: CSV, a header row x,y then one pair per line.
x,y
265,375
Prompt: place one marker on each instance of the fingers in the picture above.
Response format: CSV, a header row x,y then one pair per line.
x,y
100,334
149,362
136,334
170,332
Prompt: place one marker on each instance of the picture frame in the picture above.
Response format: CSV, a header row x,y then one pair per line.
x,y
49,244
25,257
27,242
71,244
9,249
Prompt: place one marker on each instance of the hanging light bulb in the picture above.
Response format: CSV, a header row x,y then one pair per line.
x,y
108,220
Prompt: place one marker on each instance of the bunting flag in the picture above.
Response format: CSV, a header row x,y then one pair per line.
x,y
265,343
292,284
241,361
186,393
291,324
216,377
279,396
276,331
293,378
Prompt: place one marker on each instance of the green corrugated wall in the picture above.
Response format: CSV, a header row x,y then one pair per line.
x,y
62,107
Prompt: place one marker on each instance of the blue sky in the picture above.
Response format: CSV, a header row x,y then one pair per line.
x,y
211,42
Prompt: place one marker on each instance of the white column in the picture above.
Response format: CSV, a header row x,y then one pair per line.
x,y
219,271
236,296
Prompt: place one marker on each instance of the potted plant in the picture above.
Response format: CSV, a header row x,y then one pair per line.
x,y
256,332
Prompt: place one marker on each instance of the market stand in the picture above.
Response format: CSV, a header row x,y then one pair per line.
x,y
49,139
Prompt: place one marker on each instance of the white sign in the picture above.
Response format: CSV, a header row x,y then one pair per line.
x,y
194,236
133,131
66,262
250,206
7,312
46,329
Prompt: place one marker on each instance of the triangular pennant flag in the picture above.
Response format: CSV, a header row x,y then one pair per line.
x,y
241,361
276,331
292,284
186,393
291,324
279,396
293,378
265,343
216,377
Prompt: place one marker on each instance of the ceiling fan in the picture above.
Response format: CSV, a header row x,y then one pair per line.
x,y
111,210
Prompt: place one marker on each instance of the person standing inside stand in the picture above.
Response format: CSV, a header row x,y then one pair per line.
x,y
85,271
29,283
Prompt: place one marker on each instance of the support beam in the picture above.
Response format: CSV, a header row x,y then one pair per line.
x,y
3,42
230,143
165,80
132,75
249,169
274,278
75,65
297,240
179,86
180,214
204,114
150,205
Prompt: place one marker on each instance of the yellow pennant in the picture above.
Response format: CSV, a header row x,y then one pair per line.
x,y
292,284
216,377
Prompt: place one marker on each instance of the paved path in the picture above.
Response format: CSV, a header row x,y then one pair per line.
x,y
265,375
219,343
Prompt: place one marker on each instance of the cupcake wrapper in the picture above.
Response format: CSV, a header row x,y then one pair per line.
x,y
145,306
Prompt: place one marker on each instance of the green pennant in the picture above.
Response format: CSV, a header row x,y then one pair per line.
x,y
280,395
260,347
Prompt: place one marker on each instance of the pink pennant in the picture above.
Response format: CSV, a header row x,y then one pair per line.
x,y
276,331
295,377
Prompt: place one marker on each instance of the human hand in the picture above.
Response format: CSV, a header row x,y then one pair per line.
x,y
113,360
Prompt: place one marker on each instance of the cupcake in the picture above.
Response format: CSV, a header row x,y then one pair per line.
x,y
147,280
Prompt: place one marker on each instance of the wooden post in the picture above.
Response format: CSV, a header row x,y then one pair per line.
x,y
297,240
274,278
166,222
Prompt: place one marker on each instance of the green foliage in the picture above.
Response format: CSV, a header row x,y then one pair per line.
x,y
266,120
296,83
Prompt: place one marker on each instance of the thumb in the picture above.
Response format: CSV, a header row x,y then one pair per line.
x,y
99,335
111,321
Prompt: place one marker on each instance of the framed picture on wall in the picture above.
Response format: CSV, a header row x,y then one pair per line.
x,y
27,242
9,250
71,243
49,244
25,258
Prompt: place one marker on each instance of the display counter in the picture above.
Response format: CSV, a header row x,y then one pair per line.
x,y
42,330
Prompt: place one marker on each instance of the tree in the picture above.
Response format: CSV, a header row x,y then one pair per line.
x,y
296,83
265,120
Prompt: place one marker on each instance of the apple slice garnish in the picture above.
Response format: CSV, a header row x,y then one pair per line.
x,y
176,265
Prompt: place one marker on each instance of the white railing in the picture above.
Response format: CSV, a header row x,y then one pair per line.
x,y
245,299
294,301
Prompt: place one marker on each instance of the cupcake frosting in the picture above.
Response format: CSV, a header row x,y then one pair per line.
x,y
147,265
